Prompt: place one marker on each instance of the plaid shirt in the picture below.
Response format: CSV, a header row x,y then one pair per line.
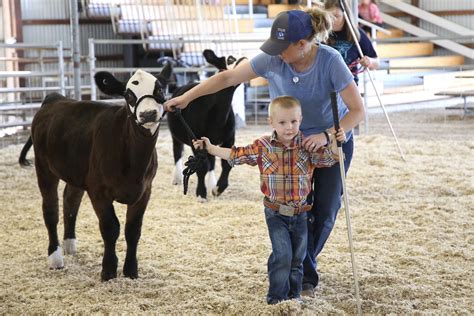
x,y
285,172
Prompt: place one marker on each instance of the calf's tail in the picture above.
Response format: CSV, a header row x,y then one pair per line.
x,y
22,160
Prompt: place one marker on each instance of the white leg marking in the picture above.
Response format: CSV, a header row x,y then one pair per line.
x,y
211,180
201,200
56,259
69,246
178,173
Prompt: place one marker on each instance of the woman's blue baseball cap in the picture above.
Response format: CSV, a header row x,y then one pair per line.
x,y
288,27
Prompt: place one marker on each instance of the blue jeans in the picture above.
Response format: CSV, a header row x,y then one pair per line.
x,y
288,235
327,190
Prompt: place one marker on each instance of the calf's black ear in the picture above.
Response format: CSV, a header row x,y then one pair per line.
x,y
108,84
212,58
165,74
231,59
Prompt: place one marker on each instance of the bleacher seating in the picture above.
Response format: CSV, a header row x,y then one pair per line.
x,y
185,20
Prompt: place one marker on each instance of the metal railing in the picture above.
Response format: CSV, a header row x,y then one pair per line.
x,y
212,44
14,101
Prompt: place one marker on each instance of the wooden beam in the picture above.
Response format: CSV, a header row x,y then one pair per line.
x,y
274,9
394,33
430,61
404,50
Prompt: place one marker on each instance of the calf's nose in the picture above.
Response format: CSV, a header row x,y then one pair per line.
x,y
148,116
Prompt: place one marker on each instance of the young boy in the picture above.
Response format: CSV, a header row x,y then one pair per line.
x,y
285,179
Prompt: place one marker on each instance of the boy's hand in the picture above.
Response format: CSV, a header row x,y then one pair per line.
x,y
202,143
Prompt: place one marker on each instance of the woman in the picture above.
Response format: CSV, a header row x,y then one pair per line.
x,y
342,40
295,64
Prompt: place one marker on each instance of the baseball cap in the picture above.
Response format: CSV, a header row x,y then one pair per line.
x,y
288,27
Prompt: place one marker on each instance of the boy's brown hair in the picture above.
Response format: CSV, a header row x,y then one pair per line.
x,y
282,102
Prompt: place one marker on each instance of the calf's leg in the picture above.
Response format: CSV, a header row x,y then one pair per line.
x,y
223,181
178,163
71,201
211,180
201,191
48,185
109,229
133,229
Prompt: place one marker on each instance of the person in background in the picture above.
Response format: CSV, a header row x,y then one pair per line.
x,y
286,169
369,11
342,40
296,63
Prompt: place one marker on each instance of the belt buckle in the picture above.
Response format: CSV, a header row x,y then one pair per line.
x,y
286,210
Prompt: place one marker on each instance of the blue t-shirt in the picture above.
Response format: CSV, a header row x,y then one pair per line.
x,y
311,87
349,51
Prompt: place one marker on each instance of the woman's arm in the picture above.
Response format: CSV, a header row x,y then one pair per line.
x,y
222,80
353,101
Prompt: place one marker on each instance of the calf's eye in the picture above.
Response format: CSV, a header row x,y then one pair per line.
x,y
135,82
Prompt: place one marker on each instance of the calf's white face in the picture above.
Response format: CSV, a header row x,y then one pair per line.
x,y
145,98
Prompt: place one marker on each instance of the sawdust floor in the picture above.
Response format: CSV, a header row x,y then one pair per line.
x,y
412,226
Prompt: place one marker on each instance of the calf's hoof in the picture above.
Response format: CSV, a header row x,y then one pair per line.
x,y
130,270
69,246
216,192
201,199
108,275
55,259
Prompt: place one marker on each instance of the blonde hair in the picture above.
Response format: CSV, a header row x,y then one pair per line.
x,y
331,4
282,102
322,23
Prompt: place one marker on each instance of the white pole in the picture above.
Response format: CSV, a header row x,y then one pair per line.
x,y
92,69
346,201
348,22
61,68
76,47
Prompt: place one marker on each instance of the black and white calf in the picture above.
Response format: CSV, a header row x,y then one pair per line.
x,y
211,116
106,150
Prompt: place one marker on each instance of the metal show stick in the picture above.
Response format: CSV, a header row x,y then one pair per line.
x,y
346,200
351,28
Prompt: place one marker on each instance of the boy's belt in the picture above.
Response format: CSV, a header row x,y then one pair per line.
x,y
286,210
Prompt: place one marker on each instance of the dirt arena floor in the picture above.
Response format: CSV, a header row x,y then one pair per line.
x,y
412,227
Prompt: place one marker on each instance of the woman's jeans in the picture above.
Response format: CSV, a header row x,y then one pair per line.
x,y
288,235
327,190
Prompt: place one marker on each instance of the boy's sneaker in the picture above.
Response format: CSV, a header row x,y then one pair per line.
x,y
308,290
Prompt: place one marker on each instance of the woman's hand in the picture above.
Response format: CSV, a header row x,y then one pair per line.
x,y
341,135
179,102
203,143
314,142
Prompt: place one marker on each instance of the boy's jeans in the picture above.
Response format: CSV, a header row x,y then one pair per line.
x,y
289,236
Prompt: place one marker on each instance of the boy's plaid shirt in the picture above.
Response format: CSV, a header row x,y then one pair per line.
x,y
285,172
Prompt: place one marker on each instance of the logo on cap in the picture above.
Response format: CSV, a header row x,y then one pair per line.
x,y
280,34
